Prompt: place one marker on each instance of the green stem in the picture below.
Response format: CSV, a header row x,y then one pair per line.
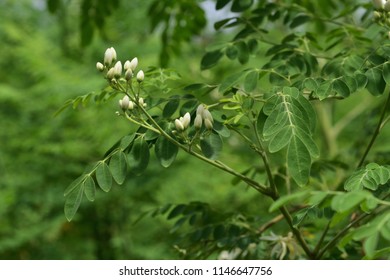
x,y
257,186
296,231
376,132
264,157
319,244
340,234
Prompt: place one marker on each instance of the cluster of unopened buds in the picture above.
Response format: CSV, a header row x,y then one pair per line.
x,y
115,71
126,104
203,115
382,13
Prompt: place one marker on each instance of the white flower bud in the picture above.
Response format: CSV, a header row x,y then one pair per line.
x,y
207,116
208,124
124,103
186,120
140,76
99,66
379,4
118,69
198,121
141,102
387,6
179,125
131,105
128,74
110,73
126,65
109,56
133,63
199,110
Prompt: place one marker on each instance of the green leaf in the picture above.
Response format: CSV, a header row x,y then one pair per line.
x,y
221,3
310,84
351,83
253,46
288,198
165,151
370,244
76,183
280,139
231,81
221,23
176,211
139,156
104,177
369,177
126,141
211,145
291,122
241,5
250,81
341,88
324,90
231,52
243,52
210,59
386,72
361,79
72,202
376,84
298,161
89,188
171,107
299,20
346,201
308,141
118,166
221,129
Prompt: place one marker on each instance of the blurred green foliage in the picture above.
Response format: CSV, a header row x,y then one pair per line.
x,y
49,51
42,65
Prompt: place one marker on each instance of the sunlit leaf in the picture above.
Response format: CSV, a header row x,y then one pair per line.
x,y
291,122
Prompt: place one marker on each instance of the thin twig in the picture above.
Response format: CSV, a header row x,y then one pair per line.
x,y
376,132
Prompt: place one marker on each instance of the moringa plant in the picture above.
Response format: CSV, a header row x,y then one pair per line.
x,y
312,107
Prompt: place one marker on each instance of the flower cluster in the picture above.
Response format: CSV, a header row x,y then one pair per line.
x,y
126,104
183,122
203,115
115,71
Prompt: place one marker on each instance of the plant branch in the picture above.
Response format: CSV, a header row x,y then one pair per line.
x,y
376,132
340,234
296,231
257,186
322,238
